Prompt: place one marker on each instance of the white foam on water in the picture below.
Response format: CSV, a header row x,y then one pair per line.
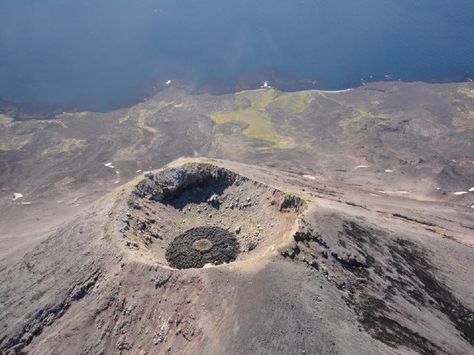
x,y
331,91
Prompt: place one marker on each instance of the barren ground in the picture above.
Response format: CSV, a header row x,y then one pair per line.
x,y
337,223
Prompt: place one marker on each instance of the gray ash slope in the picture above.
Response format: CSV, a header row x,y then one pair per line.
x,y
420,132
322,268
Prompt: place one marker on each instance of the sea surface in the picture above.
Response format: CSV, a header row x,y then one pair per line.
x,y
104,54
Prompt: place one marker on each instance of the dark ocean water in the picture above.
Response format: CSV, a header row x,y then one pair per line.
x,y
103,54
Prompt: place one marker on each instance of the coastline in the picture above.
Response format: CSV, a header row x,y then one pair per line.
x,y
21,112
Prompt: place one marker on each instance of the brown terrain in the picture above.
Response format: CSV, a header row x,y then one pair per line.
x,y
259,222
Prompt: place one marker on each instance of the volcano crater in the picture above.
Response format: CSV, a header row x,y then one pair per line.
x,y
199,214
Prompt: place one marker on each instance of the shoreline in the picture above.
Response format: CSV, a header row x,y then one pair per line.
x,y
332,91
20,112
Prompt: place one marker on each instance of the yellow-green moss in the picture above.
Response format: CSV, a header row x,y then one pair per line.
x,y
291,102
13,143
258,126
466,91
258,122
360,119
65,146
464,122
304,98
4,119
463,117
264,99
364,113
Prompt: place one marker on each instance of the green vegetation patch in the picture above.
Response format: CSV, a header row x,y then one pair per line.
x,y
464,122
304,98
257,121
292,103
264,99
295,103
463,114
467,92
360,120
4,119
65,146
13,143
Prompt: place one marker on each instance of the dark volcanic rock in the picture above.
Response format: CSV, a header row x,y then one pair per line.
x,y
170,184
200,246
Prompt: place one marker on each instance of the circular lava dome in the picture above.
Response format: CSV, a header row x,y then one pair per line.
x,y
199,246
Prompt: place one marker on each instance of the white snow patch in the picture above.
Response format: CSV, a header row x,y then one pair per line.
x,y
16,196
26,203
460,193
108,165
471,189
139,171
72,202
178,105
310,177
388,170
392,192
438,188
168,82
361,167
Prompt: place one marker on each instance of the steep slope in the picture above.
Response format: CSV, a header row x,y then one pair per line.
x,y
308,265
